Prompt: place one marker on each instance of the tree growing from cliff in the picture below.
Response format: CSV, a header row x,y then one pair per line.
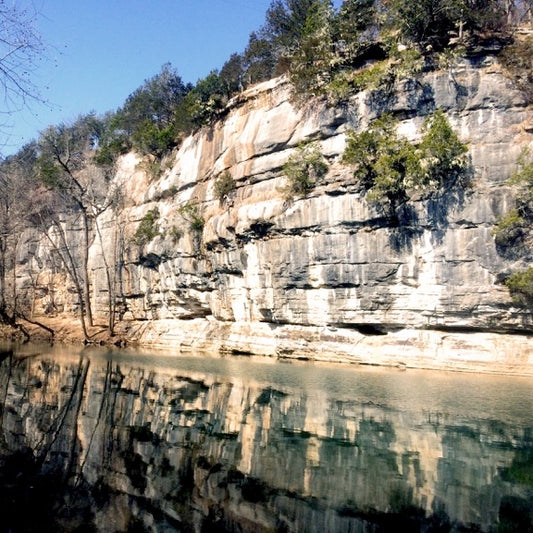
x,y
147,120
259,59
15,203
202,104
285,23
311,60
303,170
64,167
513,234
434,22
390,169
353,27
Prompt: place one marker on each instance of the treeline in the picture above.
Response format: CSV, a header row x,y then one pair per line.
x,y
323,50
315,45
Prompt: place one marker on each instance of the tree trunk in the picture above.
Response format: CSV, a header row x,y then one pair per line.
x,y
85,268
110,284
3,303
70,266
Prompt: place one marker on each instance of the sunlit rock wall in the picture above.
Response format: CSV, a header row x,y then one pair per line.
x,y
328,264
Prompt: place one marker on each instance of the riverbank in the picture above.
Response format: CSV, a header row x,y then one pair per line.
x,y
460,351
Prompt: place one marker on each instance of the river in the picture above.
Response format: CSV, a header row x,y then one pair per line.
x,y
108,440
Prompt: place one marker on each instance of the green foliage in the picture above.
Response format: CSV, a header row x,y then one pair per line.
x,y
347,82
156,101
444,157
203,104
175,233
147,120
513,230
391,169
259,60
351,27
285,22
232,74
517,60
523,177
434,22
191,213
513,234
326,50
510,231
520,285
381,161
423,21
149,138
303,169
148,228
224,186
108,152
49,172
310,62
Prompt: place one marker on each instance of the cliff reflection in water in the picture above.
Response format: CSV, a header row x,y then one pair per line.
x,y
99,441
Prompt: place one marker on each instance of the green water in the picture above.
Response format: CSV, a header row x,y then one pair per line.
x,y
135,441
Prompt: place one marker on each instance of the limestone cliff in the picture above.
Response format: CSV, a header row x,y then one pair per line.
x,y
323,276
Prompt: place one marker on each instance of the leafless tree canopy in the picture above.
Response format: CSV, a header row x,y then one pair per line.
x,y
20,49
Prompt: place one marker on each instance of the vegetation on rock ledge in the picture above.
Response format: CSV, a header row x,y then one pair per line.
x,y
514,235
391,170
148,228
303,169
363,44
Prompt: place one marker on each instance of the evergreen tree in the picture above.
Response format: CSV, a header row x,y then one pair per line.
x,y
354,23
146,120
259,60
312,59
232,74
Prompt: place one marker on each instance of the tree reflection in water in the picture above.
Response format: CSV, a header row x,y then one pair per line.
x,y
106,442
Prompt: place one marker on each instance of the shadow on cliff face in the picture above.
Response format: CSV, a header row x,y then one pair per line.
x,y
407,222
439,207
405,228
417,99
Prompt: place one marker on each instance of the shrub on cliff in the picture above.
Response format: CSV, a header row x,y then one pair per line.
x,y
520,285
224,186
303,169
147,120
517,60
148,228
510,232
391,170
191,213
310,62
513,233
444,157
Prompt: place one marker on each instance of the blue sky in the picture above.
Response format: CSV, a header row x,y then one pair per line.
x,y
98,52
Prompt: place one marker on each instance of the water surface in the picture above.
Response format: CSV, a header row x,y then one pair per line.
x,y
99,440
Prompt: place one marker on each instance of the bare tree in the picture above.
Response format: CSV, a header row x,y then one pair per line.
x,y
63,159
14,203
21,47
81,190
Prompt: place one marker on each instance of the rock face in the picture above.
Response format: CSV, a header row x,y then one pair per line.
x,y
322,276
